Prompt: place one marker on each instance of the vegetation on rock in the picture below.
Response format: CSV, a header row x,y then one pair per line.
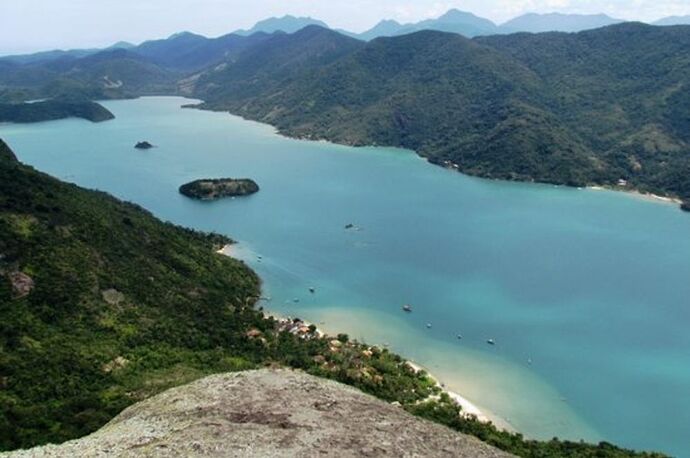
x,y
143,145
211,189
267,413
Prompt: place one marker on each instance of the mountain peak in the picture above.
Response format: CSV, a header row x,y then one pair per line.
x,y
184,35
122,45
287,23
557,22
458,15
387,22
673,20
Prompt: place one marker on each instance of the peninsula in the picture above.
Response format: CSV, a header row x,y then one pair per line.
x,y
51,110
212,189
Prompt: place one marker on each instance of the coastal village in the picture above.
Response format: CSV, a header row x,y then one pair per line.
x,y
341,344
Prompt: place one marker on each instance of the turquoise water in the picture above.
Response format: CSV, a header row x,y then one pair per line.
x,y
592,287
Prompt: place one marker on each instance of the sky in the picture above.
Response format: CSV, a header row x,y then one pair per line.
x,y
35,25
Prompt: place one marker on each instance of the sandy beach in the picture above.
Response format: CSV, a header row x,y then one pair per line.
x,y
226,250
468,408
640,195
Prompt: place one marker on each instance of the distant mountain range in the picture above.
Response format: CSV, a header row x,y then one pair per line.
x,y
454,21
44,56
556,22
463,23
673,20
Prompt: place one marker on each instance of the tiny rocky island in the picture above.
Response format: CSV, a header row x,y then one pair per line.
x,y
212,189
143,145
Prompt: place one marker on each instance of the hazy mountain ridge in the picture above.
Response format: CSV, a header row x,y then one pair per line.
x,y
557,22
283,56
454,21
189,52
287,24
673,20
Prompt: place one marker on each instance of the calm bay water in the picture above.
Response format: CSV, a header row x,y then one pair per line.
x,y
586,293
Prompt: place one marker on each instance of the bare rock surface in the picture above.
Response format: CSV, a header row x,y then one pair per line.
x,y
267,413
22,284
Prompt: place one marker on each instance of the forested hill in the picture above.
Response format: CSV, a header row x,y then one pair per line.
x,y
102,305
594,107
50,110
89,285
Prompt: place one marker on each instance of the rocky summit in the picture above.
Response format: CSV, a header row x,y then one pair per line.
x,y
267,413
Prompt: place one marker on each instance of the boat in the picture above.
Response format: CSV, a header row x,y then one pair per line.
x,y
428,325
459,336
491,342
407,308
312,290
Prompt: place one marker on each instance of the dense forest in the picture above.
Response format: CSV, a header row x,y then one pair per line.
x,y
50,110
102,305
604,107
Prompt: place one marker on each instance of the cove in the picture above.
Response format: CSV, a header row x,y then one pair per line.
x,y
584,292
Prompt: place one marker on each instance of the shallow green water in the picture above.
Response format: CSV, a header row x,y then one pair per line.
x,y
592,287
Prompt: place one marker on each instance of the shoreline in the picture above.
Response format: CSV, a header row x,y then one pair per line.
x,y
226,250
448,165
647,196
469,409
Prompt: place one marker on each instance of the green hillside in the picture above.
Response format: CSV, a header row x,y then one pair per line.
x,y
53,109
109,74
578,109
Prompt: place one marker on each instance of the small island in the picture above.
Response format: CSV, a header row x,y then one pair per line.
x,y
211,189
143,145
